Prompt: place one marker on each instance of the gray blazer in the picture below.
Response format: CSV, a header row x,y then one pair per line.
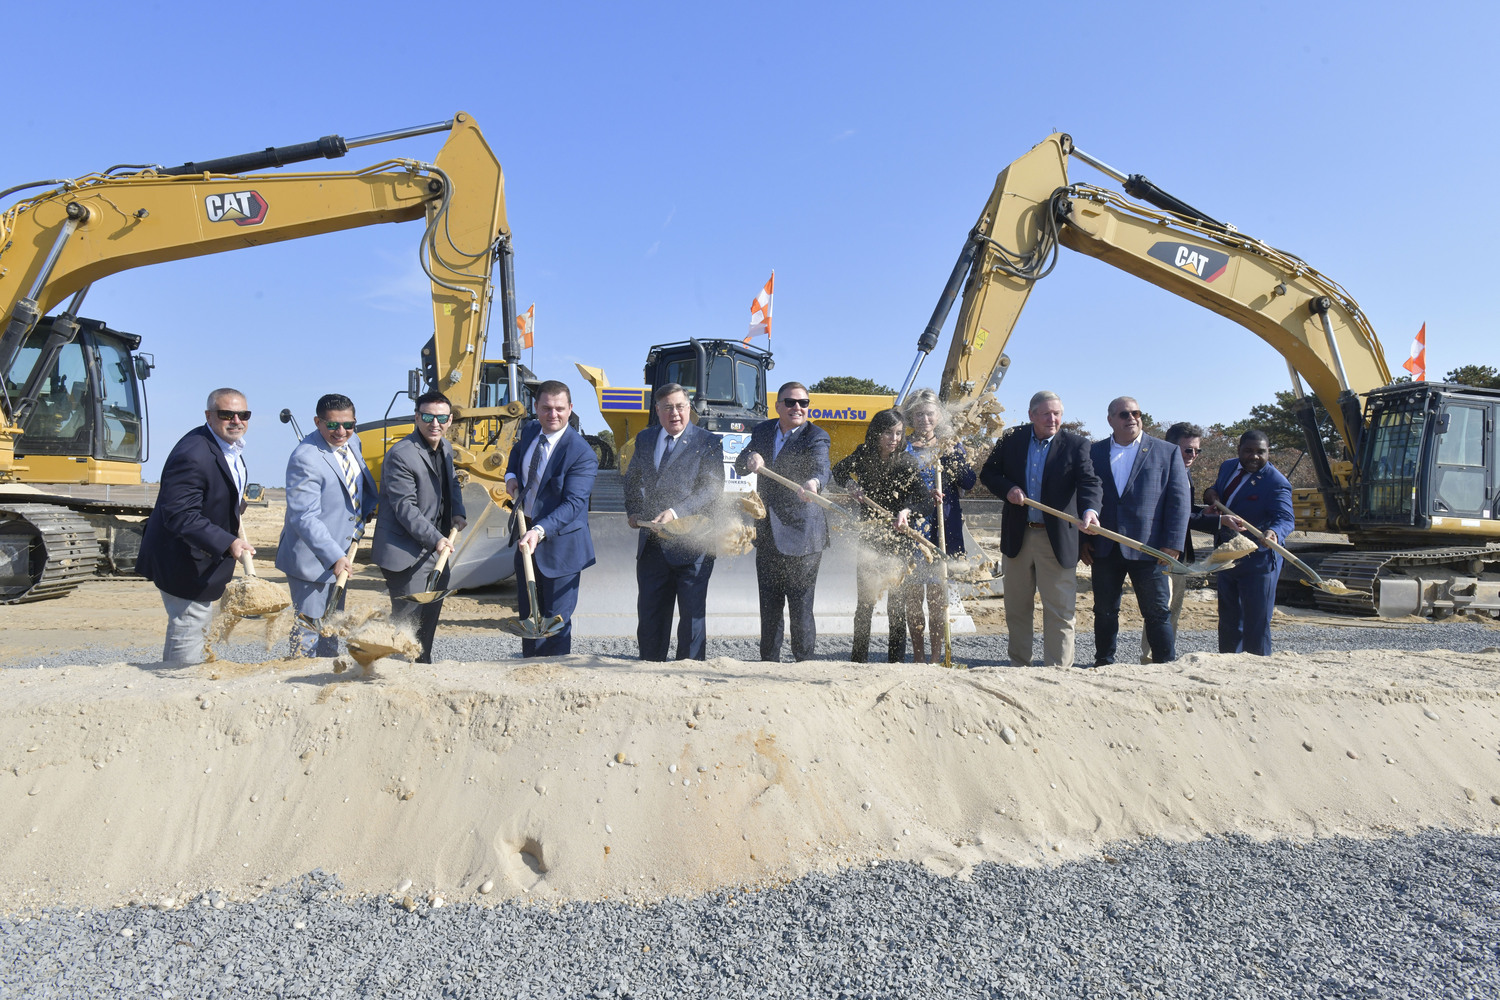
x,y
321,518
419,498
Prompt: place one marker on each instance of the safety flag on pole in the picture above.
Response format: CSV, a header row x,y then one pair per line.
x,y
1417,363
526,325
760,311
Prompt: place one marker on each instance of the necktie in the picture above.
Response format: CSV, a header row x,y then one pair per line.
x,y
666,453
351,473
1234,484
533,474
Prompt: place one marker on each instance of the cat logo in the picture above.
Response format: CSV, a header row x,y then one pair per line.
x,y
1200,262
243,208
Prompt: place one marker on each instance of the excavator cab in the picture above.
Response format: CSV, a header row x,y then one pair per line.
x,y
86,416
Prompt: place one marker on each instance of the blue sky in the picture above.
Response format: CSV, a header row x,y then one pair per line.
x,y
661,159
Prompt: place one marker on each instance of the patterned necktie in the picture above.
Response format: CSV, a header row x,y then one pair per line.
x,y
351,473
533,473
1234,484
666,453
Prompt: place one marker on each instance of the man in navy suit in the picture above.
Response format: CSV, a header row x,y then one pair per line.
x,y
192,536
1147,497
1039,553
677,470
1259,494
789,542
550,474
329,494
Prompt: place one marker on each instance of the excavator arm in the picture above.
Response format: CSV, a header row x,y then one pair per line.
x,y
1309,319
54,245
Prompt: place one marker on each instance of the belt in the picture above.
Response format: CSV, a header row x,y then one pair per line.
x,y
1036,524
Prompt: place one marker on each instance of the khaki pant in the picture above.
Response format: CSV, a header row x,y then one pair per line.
x,y
1179,590
1036,571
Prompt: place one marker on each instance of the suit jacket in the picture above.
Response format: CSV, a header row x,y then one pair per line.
x,y
321,518
185,549
419,498
690,482
1158,495
793,526
1068,484
1264,500
562,502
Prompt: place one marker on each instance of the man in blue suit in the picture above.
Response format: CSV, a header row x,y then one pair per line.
x,y
1147,496
329,495
192,536
550,474
789,542
677,470
1258,494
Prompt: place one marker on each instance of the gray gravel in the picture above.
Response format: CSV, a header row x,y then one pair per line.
x,y
1405,917
975,650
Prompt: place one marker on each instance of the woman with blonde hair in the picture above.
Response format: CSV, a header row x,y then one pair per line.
x,y
933,447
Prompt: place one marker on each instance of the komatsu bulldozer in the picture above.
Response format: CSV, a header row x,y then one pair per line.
x,y
73,409
1417,494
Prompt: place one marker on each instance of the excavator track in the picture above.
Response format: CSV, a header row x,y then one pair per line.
x,y
1360,570
45,551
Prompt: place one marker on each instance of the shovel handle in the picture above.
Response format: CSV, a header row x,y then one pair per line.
x,y
525,556
442,559
343,576
1312,575
1173,565
821,501
246,560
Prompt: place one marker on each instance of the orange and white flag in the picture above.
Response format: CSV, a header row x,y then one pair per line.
x,y
526,325
1417,363
760,311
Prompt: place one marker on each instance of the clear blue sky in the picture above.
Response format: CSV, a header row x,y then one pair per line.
x,y
661,159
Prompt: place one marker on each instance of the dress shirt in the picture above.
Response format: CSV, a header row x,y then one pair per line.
x,y
551,449
234,455
1121,461
1036,458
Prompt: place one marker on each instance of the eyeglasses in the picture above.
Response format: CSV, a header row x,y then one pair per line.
x,y
791,401
441,418
1128,413
228,415
334,425
1192,451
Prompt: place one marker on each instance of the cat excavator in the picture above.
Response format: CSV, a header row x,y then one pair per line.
x,y
71,397
1417,489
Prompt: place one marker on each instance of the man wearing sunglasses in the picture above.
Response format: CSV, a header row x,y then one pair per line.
x,y
420,503
789,542
192,536
1147,497
329,497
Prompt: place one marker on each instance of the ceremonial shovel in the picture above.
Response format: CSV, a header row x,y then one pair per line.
x,y
340,582
1173,565
432,593
534,627
1328,586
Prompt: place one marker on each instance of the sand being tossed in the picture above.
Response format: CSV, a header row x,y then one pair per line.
x,y
584,778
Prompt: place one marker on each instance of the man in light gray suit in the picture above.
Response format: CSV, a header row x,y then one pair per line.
x,y
329,495
420,503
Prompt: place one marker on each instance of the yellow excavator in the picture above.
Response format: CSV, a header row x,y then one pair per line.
x,y
1417,492
71,401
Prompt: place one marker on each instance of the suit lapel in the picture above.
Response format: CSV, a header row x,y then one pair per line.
x,y
222,460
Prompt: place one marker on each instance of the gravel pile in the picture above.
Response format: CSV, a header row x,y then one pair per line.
x,y
974,650
1405,917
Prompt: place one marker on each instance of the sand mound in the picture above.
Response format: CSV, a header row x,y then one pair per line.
x,y
582,778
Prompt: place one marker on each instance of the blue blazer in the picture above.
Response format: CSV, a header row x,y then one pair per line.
x,y
1157,500
691,482
185,550
1264,500
562,503
321,518
793,526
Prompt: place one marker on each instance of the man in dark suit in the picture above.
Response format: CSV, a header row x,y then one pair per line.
x,y
550,474
1039,553
420,505
1146,497
329,496
1187,438
789,542
677,470
1259,494
192,536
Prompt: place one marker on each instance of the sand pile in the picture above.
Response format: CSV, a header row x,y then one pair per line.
x,y
581,778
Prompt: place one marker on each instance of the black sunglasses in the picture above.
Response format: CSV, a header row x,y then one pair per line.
x,y
1128,413
441,418
791,401
334,425
228,415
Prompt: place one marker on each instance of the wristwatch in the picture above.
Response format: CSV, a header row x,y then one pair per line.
x,y
541,532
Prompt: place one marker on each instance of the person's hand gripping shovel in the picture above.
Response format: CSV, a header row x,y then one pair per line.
x,y
340,584
432,593
1327,585
534,627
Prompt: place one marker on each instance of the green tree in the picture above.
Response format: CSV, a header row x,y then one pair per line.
x,y
1479,376
852,385
1279,421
